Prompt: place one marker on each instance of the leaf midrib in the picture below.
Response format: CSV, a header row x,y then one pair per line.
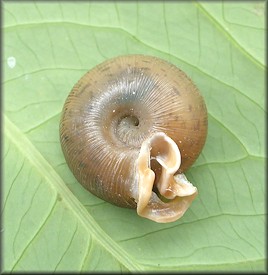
x,y
56,182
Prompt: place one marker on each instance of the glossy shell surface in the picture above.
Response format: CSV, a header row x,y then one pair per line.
x,y
114,108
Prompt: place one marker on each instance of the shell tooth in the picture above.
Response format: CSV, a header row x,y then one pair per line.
x,y
119,131
175,189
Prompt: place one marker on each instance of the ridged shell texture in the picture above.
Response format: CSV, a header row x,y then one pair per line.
x,y
117,105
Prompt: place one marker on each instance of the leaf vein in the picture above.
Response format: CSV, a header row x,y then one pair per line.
x,y
191,222
35,235
251,245
67,248
88,252
229,36
22,218
11,187
147,45
81,213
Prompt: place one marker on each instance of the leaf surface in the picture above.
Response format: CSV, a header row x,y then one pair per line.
x,y
50,223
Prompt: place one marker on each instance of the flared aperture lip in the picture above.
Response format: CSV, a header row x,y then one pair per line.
x,y
128,127
176,190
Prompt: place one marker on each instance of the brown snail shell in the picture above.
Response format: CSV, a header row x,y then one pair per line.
x,y
127,127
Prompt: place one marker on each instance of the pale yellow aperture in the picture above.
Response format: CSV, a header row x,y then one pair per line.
x,y
176,191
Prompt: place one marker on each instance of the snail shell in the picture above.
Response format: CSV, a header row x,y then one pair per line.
x,y
128,126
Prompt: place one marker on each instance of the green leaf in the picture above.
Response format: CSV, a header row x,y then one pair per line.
x,y
50,223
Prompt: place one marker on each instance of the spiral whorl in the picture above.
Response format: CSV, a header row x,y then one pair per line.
x,y
114,108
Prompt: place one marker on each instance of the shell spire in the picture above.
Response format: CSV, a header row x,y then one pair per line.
x,y
130,128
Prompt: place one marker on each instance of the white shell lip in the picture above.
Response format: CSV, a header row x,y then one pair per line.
x,y
176,189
